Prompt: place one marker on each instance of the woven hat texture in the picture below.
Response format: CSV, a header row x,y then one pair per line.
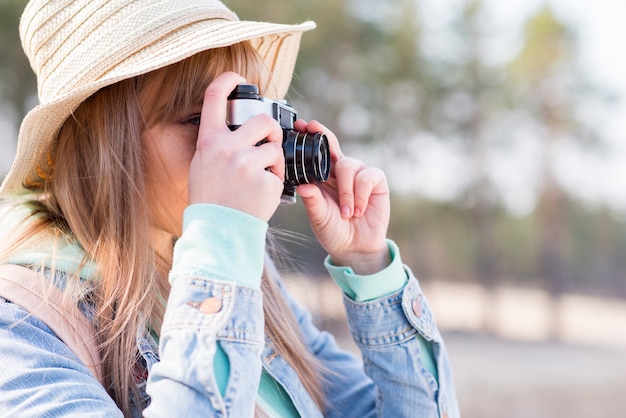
x,y
76,47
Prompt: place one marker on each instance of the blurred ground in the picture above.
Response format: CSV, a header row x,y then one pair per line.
x,y
516,379
517,370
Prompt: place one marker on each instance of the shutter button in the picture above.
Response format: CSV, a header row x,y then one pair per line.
x,y
208,306
417,306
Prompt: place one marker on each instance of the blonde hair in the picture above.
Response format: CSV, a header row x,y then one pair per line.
x,y
92,187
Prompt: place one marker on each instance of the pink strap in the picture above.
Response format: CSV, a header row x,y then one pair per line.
x,y
33,292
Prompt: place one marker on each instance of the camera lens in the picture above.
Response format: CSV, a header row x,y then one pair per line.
x,y
307,157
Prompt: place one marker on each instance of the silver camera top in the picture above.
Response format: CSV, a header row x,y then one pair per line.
x,y
245,102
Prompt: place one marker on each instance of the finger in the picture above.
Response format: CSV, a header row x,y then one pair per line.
x,y
301,125
314,203
368,182
345,172
258,128
270,156
215,96
315,126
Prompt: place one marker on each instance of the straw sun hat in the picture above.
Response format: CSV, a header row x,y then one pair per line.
x,y
76,47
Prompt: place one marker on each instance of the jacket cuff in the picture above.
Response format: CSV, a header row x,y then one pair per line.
x,y
220,243
374,286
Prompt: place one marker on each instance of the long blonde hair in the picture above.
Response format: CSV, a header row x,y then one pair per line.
x,y
92,187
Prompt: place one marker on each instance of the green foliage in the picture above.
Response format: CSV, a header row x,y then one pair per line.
x,y
360,71
549,45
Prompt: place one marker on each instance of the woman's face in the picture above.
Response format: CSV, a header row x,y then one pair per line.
x,y
171,101
169,147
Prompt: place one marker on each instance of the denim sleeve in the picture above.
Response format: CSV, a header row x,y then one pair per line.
x,y
349,392
387,332
40,376
391,380
214,304
377,286
183,382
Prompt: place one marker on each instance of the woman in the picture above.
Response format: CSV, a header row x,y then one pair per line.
x,y
131,195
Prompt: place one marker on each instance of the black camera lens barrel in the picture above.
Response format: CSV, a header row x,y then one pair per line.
x,y
307,157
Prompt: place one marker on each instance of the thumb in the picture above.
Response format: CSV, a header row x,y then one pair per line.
x,y
314,202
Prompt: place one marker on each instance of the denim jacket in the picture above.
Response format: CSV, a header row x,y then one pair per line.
x,y
42,377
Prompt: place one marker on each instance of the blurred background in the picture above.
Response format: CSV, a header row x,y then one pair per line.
x,y
502,129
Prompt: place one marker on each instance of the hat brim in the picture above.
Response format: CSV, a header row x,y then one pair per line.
x,y
277,44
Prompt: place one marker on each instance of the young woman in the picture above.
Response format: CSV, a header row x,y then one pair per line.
x,y
131,195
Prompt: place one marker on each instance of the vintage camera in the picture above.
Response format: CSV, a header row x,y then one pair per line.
x,y
307,155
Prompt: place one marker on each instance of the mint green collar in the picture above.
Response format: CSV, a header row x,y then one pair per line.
x,y
52,252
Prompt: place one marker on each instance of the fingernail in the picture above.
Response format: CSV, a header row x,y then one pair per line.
x,y
357,212
345,211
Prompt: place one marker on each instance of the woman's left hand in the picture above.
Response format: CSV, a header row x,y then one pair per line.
x,y
349,214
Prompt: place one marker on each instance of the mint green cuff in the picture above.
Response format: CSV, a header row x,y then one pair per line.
x,y
374,286
220,243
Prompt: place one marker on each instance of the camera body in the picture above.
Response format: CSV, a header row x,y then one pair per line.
x,y
307,155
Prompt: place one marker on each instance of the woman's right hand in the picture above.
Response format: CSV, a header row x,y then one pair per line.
x,y
228,168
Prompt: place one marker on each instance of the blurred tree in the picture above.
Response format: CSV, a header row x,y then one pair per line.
x,y
544,80
18,86
475,93
365,74
360,71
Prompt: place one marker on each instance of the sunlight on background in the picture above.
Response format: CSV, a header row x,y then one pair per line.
x,y
595,178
